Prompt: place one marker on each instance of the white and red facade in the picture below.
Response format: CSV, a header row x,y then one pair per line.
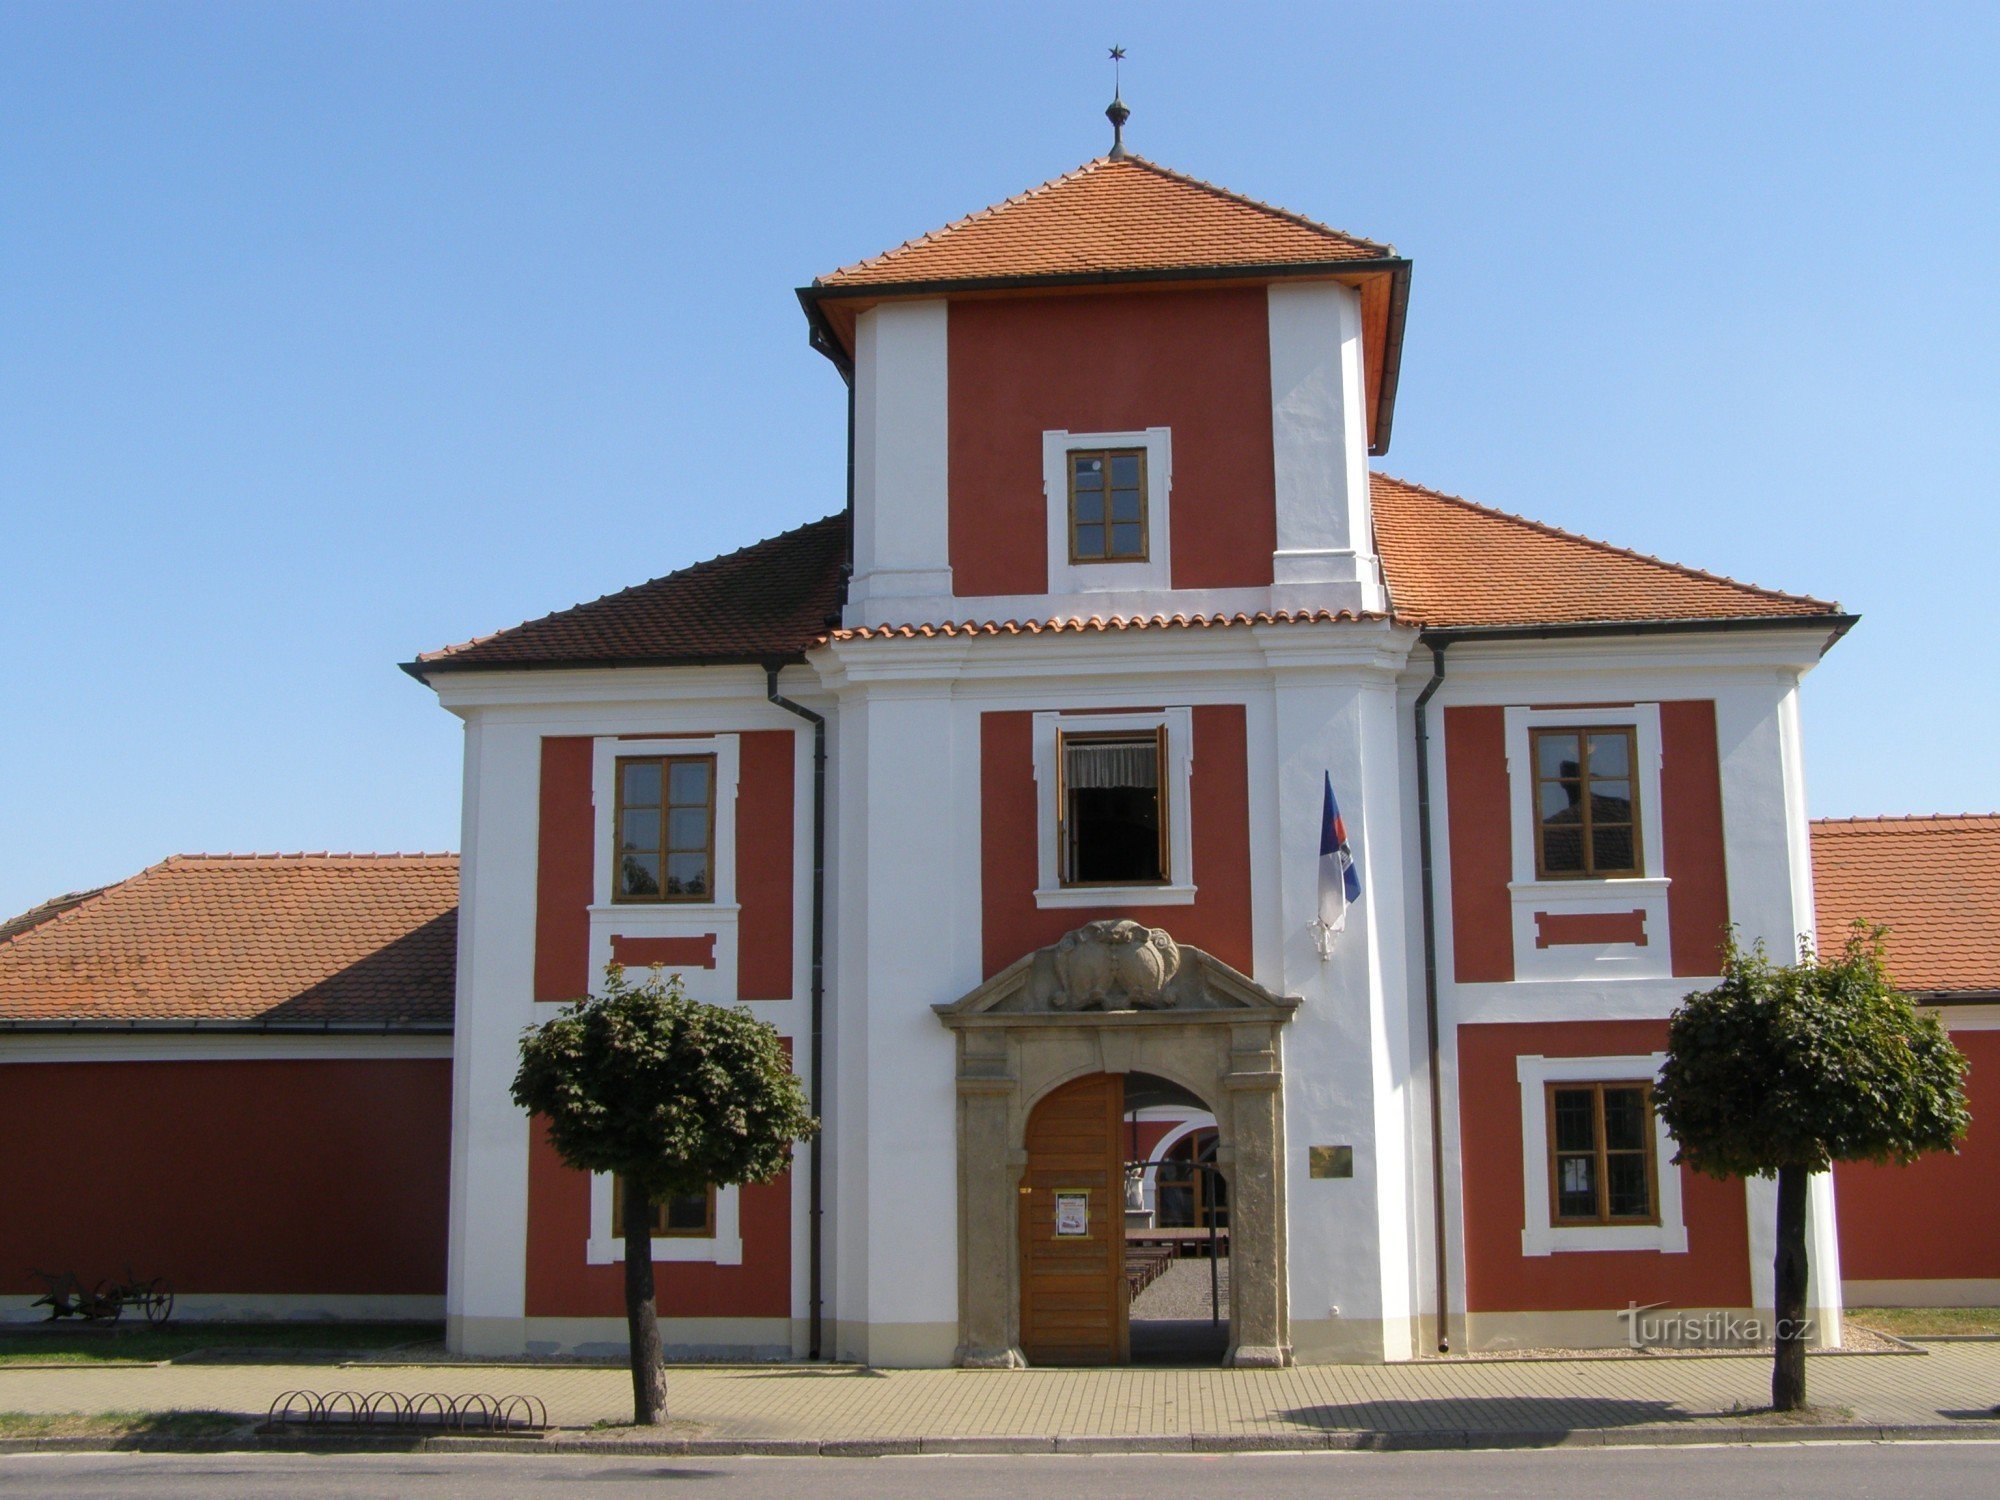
x,y
1283,626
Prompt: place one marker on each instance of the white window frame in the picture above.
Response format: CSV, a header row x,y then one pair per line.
x,y
1541,1236
657,919
723,1248
1176,782
1156,572
1588,894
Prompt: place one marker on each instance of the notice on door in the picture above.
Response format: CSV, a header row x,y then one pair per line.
x,y
1072,1215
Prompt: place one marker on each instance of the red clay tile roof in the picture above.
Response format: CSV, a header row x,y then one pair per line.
x,y
306,940
1933,882
1095,624
50,909
1110,216
767,602
1449,563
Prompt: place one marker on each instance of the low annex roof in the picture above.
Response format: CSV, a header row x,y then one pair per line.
x,y
286,941
1109,215
1449,563
1934,882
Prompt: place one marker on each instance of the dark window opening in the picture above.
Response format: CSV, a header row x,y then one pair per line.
x,y
1113,812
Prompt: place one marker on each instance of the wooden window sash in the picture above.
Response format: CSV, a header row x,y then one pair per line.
x,y
1104,456
1065,860
660,1230
1601,1155
665,848
1587,826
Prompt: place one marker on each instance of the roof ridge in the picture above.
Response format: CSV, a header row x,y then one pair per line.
x,y
1305,221
1545,528
299,854
445,652
1965,817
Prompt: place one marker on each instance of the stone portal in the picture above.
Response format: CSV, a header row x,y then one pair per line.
x,y
1118,997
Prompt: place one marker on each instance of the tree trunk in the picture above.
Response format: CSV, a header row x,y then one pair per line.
x,y
1788,1371
642,1313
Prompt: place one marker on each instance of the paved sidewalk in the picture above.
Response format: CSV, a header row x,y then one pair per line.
x,y
1950,1384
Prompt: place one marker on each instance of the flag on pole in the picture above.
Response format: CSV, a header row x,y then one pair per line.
x,y
1339,875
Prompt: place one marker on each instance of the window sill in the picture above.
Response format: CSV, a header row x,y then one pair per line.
x,y
678,1247
1069,896
1661,1240
1593,885
705,909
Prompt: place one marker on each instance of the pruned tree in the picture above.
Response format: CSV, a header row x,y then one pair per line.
x,y
1783,1070
673,1096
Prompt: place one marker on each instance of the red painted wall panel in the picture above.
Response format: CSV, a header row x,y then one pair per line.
x,y
1475,774
250,1177
561,1284
1197,362
563,883
1218,921
764,864
1715,1271
1939,1218
1691,817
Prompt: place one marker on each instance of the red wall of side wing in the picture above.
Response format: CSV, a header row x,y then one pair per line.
x,y
1691,817
1715,1271
563,881
1197,362
764,865
1939,1218
1475,773
1219,920
236,1177
561,1284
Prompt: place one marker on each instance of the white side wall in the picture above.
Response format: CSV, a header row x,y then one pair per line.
x,y
902,549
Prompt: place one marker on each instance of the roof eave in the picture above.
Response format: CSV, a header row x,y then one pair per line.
x,y
422,669
826,338
1834,621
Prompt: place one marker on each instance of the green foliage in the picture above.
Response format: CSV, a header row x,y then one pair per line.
x,y
665,1091
1805,1064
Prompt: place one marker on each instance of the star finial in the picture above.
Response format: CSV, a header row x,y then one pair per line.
x,y
1117,114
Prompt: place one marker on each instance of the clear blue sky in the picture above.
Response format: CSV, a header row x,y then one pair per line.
x,y
334,332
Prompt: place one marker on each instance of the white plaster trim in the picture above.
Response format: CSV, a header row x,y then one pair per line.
x,y
144,1047
1179,889
1156,572
660,919
1966,1017
1647,893
723,1248
1538,1235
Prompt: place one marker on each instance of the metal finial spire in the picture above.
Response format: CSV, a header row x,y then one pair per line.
x,y
1117,114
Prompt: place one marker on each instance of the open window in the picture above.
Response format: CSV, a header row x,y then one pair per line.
x,y
1113,798
1114,808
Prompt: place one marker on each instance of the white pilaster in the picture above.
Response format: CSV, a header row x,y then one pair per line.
x,y
901,462
486,1284
1319,441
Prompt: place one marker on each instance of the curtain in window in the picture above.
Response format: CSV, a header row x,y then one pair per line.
x,y
1097,764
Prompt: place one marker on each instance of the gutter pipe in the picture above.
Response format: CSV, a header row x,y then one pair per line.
x,y
815,1077
1437,646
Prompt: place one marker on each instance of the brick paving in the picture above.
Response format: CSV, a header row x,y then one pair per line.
x,y
1948,1383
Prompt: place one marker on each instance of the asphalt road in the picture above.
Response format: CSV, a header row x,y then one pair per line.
x,y
1766,1472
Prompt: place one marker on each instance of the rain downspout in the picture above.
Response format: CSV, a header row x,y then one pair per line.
x,y
814,1075
1437,646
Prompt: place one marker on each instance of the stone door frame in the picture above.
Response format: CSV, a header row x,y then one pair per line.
x,y
1217,1035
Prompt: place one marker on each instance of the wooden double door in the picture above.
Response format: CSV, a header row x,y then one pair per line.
x,y
1074,1308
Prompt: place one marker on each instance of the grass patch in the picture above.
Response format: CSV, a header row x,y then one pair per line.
x,y
42,1344
1918,1322
175,1424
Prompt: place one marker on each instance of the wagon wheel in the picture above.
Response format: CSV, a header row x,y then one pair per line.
x,y
157,1301
105,1303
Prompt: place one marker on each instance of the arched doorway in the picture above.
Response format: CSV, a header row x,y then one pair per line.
x,y
1087,1008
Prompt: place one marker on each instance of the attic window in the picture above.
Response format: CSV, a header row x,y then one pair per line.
x,y
1107,505
1114,823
